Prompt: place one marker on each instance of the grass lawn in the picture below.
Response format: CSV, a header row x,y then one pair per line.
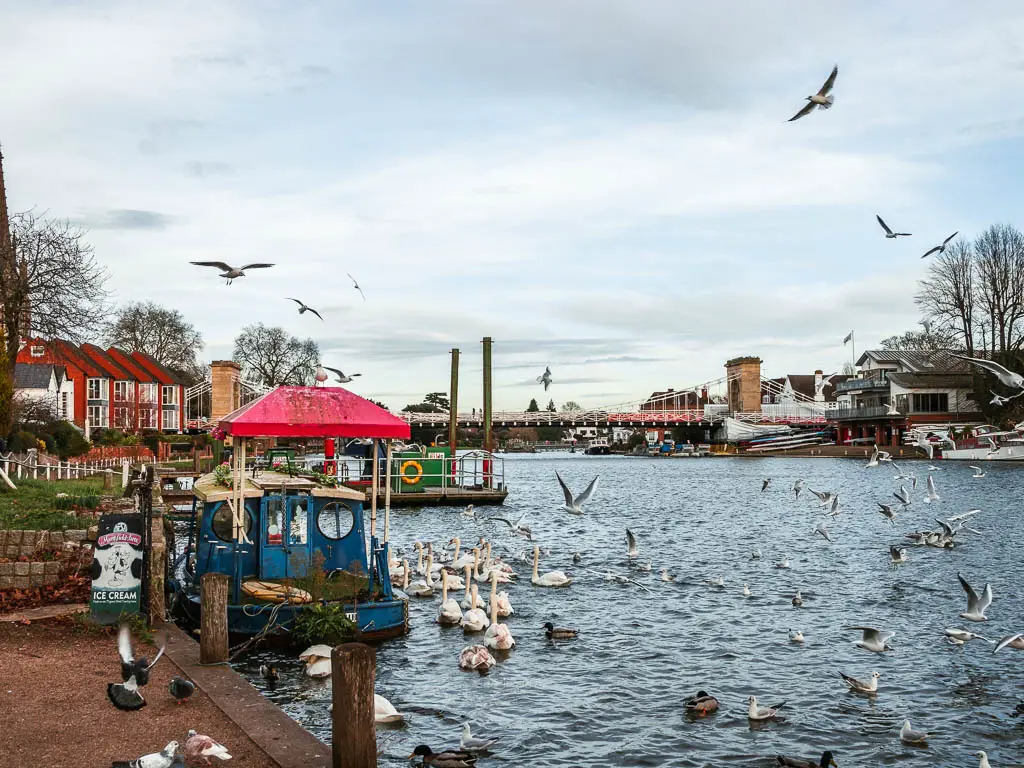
x,y
34,505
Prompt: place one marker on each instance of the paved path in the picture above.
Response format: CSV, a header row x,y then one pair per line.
x,y
45,612
283,739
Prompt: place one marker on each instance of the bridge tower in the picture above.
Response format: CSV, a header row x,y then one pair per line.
x,y
226,388
744,377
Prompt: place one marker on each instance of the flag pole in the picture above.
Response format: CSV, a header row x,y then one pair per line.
x,y
853,350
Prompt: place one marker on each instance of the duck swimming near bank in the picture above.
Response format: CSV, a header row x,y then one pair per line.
x,y
269,672
701,704
448,758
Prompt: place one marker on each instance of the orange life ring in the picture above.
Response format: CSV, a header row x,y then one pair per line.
x,y
411,479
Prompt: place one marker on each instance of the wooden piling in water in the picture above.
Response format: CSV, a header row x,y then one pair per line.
x,y
354,738
453,401
213,632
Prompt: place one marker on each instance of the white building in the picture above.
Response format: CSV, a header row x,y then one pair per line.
x,y
46,385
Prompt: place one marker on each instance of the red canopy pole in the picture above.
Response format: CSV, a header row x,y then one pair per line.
x,y
330,465
373,490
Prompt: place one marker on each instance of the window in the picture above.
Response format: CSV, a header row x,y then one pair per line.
x,y
124,391
65,405
170,418
170,395
147,418
223,523
147,393
335,520
124,418
37,351
931,402
96,389
98,416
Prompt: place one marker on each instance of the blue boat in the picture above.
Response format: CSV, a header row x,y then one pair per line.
x,y
301,538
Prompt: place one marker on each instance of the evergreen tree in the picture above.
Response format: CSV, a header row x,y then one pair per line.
x,y
533,407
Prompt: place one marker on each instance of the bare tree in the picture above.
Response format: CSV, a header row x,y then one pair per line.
x,y
999,261
947,295
161,333
920,341
50,283
271,356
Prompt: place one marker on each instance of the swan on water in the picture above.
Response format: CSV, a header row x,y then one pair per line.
x,y
318,660
449,612
475,620
498,635
476,657
549,579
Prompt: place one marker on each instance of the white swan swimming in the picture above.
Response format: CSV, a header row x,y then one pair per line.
x,y
475,620
422,588
460,561
384,711
504,604
476,657
471,600
498,635
549,579
449,613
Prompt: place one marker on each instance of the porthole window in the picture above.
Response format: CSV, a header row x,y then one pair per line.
x,y
223,523
335,520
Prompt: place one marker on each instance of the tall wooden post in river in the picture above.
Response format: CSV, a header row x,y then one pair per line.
x,y
453,400
353,734
488,446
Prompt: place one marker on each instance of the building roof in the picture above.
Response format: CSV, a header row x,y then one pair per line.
x,y
161,373
132,365
917,362
313,412
932,380
37,375
66,350
106,362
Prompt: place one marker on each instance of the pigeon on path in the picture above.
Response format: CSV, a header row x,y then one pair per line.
x,y
201,746
162,759
181,688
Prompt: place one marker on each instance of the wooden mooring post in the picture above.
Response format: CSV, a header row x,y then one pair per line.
x,y
213,621
353,738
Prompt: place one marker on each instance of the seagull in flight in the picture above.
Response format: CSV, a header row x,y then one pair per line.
x,y
342,378
886,511
797,487
822,99
304,308
356,285
977,471
631,550
873,639
976,604
941,248
229,272
1005,376
765,484
517,526
575,505
932,494
545,378
897,556
889,234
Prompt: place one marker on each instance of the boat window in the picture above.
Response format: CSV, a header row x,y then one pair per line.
x,y
299,527
275,520
336,520
222,523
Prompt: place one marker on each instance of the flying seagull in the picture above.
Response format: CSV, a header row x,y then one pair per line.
x,y
229,272
1011,641
342,378
797,487
303,308
976,604
941,248
765,484
545,378
1005,376
162,759
897,556
575,505
889,234
822,99
356,286
873,639
631,549
886,511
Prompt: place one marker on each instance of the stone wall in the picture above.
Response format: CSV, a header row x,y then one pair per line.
x,y
28,573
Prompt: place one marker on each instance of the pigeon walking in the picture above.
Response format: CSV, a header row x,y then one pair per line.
x,y
162,759
181,689
229,272
822,99
304,308
201,746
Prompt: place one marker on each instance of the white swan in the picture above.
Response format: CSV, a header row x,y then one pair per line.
x,y
468,601
384,711
486,575
475,620
422,588
549,579
496,564
450,612
318,660
399,574
460,562
498,635
476,657
504,604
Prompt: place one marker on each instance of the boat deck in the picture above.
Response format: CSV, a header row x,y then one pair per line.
x,y
444,497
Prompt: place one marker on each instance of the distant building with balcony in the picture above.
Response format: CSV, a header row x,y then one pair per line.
x,y
894,392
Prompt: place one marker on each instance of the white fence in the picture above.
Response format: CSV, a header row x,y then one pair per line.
x,y
29,465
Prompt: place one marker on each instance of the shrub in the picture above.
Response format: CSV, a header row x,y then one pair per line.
x,y
324,623
68,441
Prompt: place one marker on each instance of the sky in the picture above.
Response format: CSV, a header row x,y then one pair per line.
x,y
608,188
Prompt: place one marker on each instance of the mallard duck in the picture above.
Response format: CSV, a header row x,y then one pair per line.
x,y
796,762
269,672
559,633
702,704
449,758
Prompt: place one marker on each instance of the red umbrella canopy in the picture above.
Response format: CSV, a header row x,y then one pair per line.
x,y
313,412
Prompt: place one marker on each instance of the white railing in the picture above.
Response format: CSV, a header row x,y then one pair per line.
x,y
30,466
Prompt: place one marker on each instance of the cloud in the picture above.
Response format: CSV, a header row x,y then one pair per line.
x,y
127,219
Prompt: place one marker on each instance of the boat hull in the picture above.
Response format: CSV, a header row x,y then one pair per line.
x,y
1003,453
374,621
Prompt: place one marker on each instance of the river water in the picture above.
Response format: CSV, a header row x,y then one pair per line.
x,y
615,695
